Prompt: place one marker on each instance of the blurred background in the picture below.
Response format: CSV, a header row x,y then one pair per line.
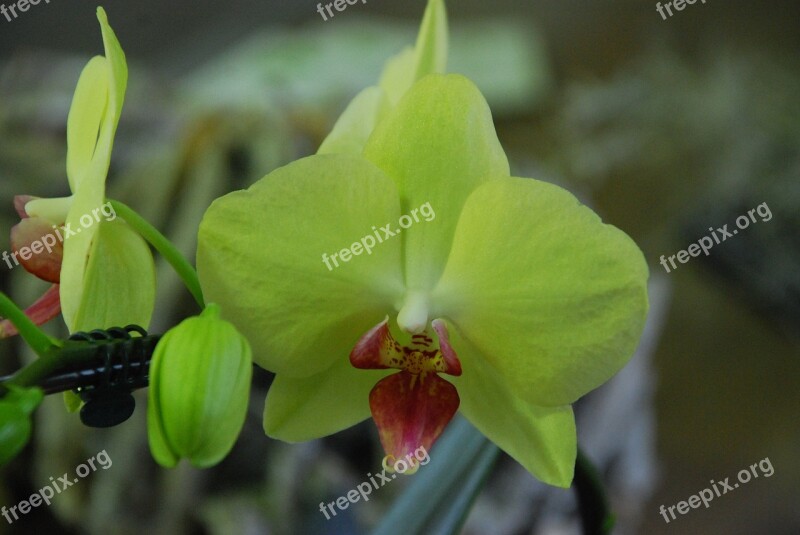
x,y
665,127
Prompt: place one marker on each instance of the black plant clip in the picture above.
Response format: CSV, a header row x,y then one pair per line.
x,y
122,366
106,366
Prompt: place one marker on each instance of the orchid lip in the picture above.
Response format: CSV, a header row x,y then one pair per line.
x,y
378,349
411,408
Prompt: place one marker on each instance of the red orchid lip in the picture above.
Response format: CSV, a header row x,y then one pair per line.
x,y
411,414
411,408
378,350
42,260
38,246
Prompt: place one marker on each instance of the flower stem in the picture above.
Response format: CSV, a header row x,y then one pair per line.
x,y
37,370
595,513
33,335
165,247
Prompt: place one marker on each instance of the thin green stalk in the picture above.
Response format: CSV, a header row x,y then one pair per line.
x,y
593,505
58,358
178,262
33,335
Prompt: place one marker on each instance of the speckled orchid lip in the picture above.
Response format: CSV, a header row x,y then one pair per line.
x,y
412,407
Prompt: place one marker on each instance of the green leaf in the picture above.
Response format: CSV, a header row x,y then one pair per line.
x,y
553,299
441,493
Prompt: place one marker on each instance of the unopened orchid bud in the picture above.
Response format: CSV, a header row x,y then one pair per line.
x,y
199,389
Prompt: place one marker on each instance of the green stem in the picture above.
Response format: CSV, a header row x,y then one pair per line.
x,y
165,247
592,502
33,335
67,356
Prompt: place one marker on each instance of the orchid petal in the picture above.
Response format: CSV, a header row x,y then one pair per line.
x,y
85,117
438,145
541,439
430,51
130,272
117,286
55,210
266,255
19,204
95,112
378,349
398,75
428,56
553,298
340,393
368,108
350,133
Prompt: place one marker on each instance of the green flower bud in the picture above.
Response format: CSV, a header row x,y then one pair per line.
x,y
199,388
15,422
